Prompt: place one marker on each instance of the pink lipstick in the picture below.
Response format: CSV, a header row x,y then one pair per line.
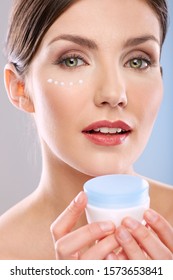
x,y
107,133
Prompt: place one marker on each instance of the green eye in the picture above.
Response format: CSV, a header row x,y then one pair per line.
x,y
136,63
139,63
71,62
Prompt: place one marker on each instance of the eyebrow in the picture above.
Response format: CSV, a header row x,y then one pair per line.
x,y
140,40
91,44
85,42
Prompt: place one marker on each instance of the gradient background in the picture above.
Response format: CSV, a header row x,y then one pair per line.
x,y
20,162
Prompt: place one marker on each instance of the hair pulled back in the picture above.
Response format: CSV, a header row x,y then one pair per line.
x,y
30,20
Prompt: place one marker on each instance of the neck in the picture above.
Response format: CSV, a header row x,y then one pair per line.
x,y
59,182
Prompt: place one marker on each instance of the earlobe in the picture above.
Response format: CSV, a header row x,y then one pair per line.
x,y
15,88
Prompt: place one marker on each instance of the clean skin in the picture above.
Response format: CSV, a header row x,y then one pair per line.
x,y
112,47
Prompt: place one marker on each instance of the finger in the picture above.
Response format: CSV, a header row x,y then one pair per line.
x,y
111,256
74,242
101,249
118,255
129,244
163,229
69,217
151,244
122,256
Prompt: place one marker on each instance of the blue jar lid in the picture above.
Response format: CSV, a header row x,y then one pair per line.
x,y
117,191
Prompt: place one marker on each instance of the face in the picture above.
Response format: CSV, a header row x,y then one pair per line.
x,y
96,85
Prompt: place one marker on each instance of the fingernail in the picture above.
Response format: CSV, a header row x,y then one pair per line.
x,y
123,234
106,226
131,223
80,198
151,216
111,256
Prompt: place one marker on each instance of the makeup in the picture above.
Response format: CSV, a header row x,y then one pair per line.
x,y
106,133
113,197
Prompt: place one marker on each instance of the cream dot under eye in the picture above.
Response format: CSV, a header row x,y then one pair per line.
x,y
50,81
62,83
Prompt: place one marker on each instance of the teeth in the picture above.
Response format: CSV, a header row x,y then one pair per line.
x,y
104,130
108,130
97,129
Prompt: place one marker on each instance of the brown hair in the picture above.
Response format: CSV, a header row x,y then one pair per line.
x,y
30,20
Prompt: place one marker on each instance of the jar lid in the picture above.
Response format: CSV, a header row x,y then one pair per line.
x,y
117,191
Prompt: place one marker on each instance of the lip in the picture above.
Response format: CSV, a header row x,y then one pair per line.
x,y
107,139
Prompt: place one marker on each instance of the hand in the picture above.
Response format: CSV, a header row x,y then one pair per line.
x,y
82,243
139,242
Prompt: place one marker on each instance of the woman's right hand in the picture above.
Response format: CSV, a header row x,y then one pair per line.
x,y
82,243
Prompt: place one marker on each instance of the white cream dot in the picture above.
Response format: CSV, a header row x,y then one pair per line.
x,y
80,82
62,84
56,82
71,83
50,81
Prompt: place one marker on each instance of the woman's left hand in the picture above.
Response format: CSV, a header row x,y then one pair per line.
x,y
153,241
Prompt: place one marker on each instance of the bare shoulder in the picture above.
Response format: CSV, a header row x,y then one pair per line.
x,y
12,226
20,230
161,195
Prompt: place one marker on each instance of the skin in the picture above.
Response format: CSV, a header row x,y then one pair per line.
x,y
113,90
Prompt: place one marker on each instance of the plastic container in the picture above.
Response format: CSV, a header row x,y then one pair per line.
x,y
113,197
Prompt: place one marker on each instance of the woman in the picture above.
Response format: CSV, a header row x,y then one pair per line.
x,y
89,73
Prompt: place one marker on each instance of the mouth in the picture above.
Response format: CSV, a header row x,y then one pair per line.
x,y
107,133
107,130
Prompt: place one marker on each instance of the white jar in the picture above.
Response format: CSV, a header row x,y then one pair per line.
x,y
113,197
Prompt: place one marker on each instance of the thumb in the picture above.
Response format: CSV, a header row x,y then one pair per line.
x,y
69,217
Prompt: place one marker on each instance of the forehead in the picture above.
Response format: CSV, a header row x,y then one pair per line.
x,y
106,19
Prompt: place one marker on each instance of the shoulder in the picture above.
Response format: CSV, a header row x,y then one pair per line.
x,y
160,190
161,196
12,226
25,231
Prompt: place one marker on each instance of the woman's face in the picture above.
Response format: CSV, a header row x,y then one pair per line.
x,y
96,84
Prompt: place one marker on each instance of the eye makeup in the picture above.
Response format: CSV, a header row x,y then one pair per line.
x,y
71,70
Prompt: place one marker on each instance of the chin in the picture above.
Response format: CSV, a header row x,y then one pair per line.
x,y
106,170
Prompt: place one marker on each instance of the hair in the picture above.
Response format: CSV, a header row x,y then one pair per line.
x,y
30,20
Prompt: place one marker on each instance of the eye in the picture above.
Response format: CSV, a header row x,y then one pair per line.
x,y
138,63
71,61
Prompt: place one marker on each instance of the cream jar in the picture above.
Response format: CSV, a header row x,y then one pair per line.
x,y
113,197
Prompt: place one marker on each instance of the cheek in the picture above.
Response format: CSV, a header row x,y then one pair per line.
x,y
57,105
152,100
148,103
58,115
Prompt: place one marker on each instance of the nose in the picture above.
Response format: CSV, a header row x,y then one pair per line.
x,y
111,90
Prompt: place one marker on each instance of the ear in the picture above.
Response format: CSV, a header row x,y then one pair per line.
x,y
16,91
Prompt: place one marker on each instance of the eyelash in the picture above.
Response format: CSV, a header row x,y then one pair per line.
x,y
142,59
62,60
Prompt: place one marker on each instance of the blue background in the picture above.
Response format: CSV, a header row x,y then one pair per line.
x,y
157,159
